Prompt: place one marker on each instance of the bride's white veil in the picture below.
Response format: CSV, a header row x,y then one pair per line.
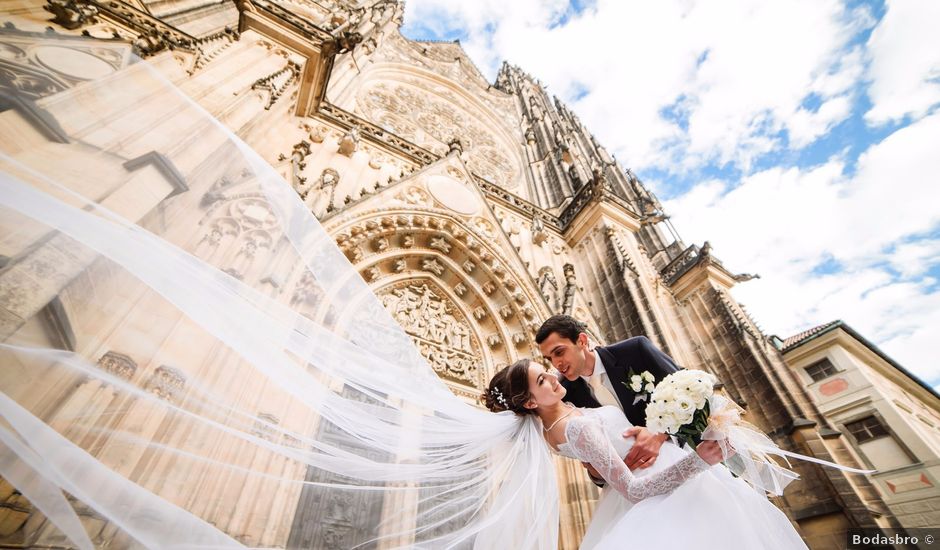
x,y
188,360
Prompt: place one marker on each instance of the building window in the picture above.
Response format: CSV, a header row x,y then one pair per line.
x,y
821,369
866,429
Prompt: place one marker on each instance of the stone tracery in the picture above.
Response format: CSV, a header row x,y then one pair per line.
x,y
432,119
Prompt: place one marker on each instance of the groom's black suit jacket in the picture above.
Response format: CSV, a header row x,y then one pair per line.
x,y
637,354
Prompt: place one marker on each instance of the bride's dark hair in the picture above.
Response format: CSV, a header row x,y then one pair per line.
x,y
508,390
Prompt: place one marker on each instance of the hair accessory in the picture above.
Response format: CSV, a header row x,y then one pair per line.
x,y
499,398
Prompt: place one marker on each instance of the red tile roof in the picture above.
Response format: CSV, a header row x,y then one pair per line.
x,y
798,339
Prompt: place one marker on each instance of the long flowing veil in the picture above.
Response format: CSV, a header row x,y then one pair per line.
x,y
190,361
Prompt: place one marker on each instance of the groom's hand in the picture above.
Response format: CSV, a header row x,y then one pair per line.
x,y
645,450
595,477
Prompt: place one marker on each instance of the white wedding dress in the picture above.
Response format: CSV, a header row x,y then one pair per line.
x,y
679,502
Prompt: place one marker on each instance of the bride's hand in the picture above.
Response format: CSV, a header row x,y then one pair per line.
x,y
710,452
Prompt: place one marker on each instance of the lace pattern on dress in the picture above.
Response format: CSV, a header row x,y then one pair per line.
x,y
588,441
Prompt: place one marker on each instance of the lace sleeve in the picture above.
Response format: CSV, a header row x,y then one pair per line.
x,y
586,438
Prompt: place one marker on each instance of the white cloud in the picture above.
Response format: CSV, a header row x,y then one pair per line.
x,y
734,69
915,258
789,222
905,61
805,125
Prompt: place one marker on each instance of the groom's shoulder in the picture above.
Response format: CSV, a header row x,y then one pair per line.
x,y
630,346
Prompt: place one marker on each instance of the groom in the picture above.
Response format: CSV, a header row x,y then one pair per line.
x,y
599,376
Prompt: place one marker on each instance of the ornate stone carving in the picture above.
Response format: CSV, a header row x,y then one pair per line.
x,y
455,146
399,265
440,243
380,244
324,200
530,136
484,227
211,46
432,265
298,153
354,253
479,313
167,383
118,364
744,277
441,116
624,260
489,287
469,266
506,311
277,82
71,14
571,285
349,143
415,195
494,340
371,273
407,240
539,234
442,335
456,173
317,133
307,291
548,286
347,119
460,289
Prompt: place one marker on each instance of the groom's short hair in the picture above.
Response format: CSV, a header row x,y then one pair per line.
x,y
565,325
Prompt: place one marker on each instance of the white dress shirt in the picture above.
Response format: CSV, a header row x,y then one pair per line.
x,y
600,384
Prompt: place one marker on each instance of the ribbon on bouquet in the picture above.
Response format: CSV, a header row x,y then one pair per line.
x,y
753,450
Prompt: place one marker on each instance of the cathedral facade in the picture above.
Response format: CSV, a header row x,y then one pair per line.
x,y
473,209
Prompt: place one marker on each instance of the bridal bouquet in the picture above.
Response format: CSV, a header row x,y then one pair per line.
x,y
685,405
679,405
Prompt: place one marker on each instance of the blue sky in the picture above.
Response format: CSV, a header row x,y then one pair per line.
x,y
800,139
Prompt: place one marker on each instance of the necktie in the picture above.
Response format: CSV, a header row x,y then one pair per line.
x,y
601,393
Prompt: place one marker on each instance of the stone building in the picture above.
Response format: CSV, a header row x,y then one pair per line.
x,y
474,209
890,419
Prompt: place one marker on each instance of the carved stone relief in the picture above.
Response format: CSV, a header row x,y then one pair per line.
x,y
238,227
449,61
118,364
440,331
35,68
433,122
167,383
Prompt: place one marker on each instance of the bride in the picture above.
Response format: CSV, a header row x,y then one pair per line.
x,y
685,500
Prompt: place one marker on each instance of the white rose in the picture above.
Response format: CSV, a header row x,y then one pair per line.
x,y
649,387
685,405
636,383
653,421
684,410
671,423
664,393
663,422
647,376
655,425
